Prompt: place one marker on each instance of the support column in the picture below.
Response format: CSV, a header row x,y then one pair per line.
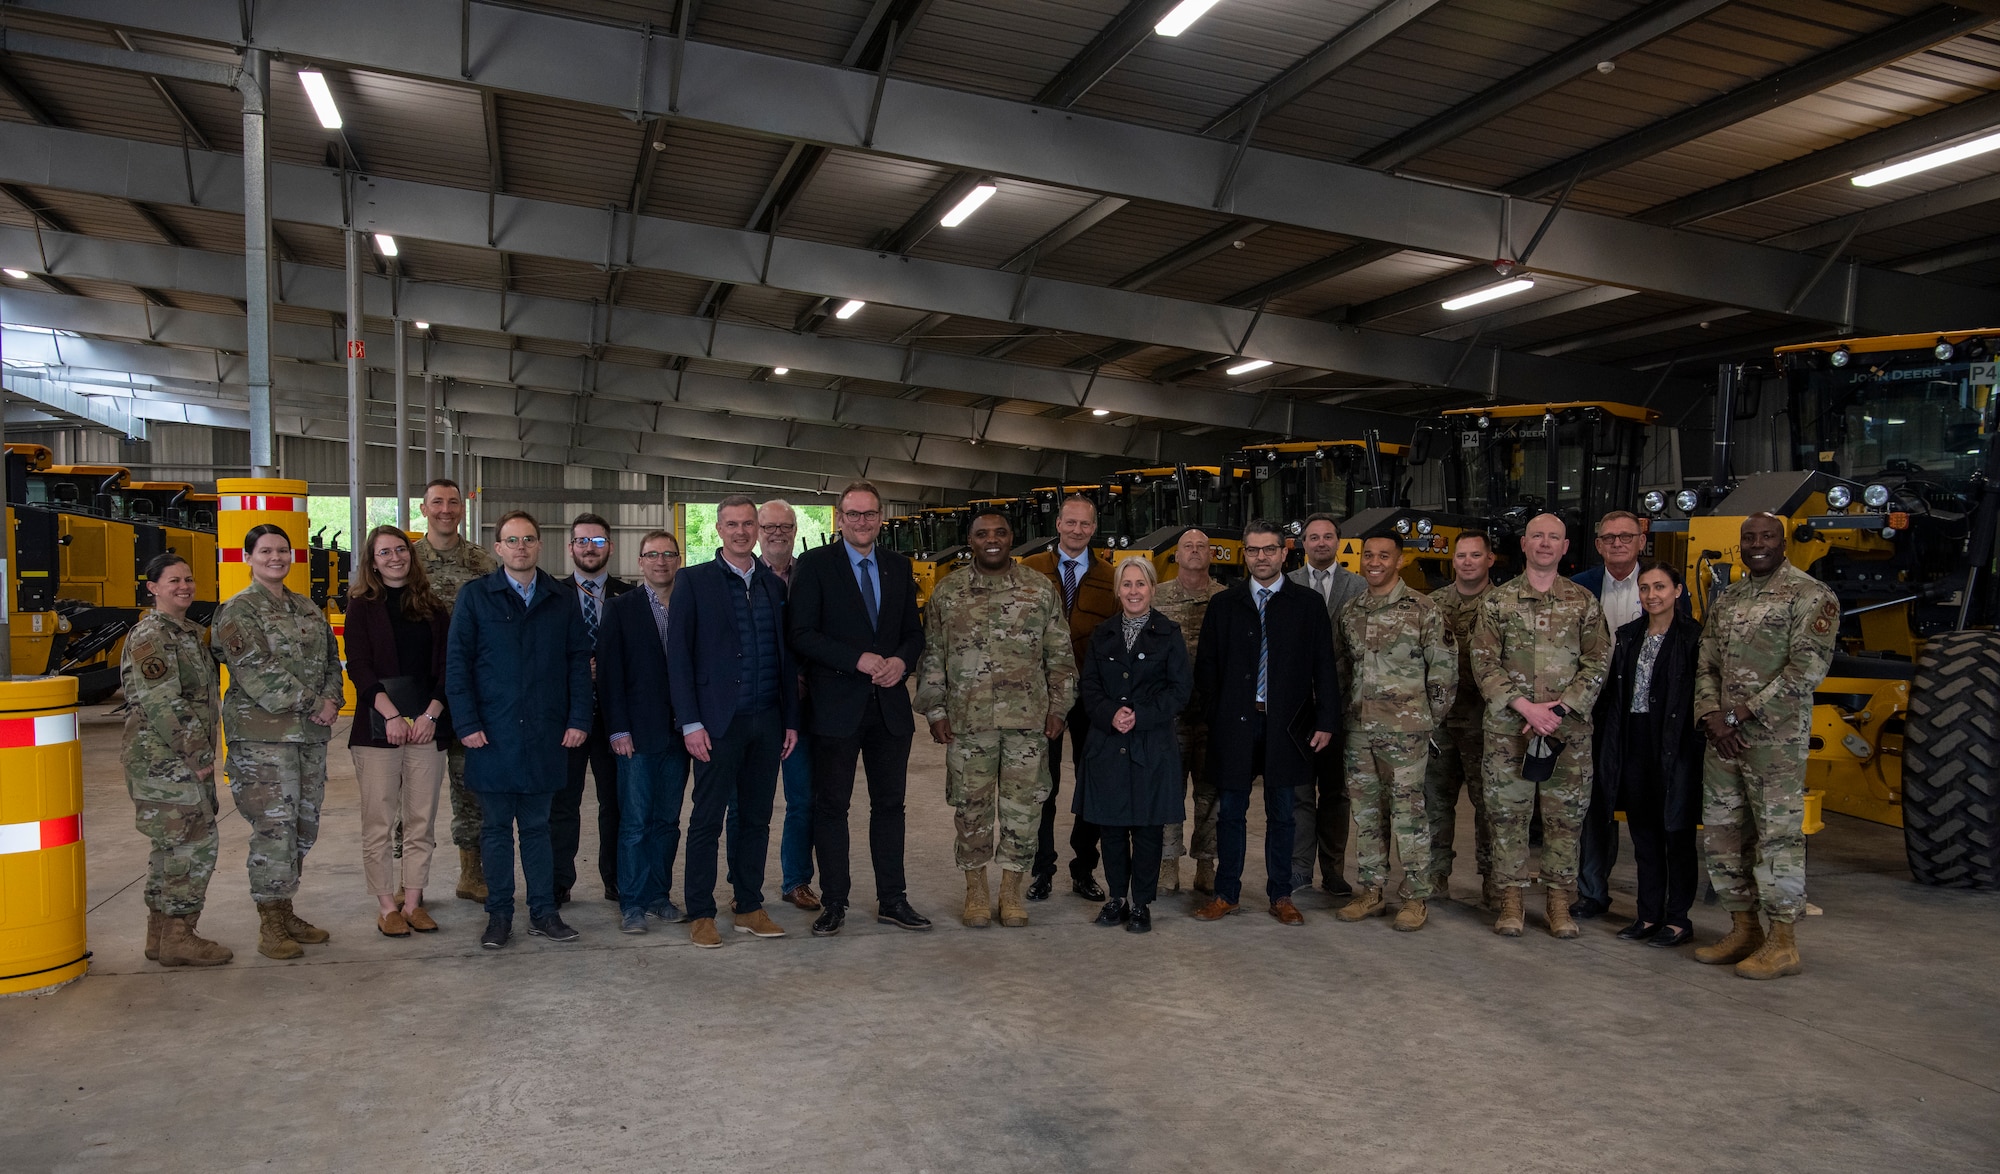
x,y
357,498
7,571
402,447
255,87
430,429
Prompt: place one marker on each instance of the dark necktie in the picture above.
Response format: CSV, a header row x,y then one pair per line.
x,y
868,591
1264,647
1069,585
590,609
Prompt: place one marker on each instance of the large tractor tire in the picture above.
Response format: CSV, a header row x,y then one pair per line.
x,y
1951,763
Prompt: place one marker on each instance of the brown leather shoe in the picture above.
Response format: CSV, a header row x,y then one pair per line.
x,y
803,897
1286,912
420,919
702,932
1216,909
759,923
392,924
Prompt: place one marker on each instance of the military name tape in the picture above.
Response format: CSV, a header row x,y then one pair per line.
x,y
276,505
40,835
53,730
233,555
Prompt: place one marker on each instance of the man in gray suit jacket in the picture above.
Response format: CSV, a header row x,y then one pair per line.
x,y
1320,811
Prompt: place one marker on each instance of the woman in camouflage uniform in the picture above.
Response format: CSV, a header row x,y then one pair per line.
x,y
284,693
170,719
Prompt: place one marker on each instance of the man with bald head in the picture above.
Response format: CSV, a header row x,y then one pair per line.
x,y
1184,600
1539,652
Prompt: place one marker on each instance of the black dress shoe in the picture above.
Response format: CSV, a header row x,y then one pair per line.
x,y
1038,889
562,898
1115,912
611,892
899,914
1639,931
831,918
1141,920
1669,936
498,930
1338,888
1588,908
1086,886
552,928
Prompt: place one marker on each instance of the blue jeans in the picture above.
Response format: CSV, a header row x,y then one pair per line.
x,y
503,811
1232,829
795,846
650,789
742,767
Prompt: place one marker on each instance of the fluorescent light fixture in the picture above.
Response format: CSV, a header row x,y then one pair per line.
x,y
849,308
1249,365
1100,411
1978,146
970,204
1184,14
16,274
386,243
1490,293
781,370
322,98
422,325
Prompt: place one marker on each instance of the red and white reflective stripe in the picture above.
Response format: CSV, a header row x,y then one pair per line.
x,y
40,835
233,555
53,730
277,505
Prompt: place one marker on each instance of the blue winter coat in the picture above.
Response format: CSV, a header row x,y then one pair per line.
x,y
521,676
1133,780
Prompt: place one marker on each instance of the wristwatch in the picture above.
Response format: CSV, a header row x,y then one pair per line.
x,y
1730,719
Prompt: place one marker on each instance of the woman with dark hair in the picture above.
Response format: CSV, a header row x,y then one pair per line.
x,y
277,715
396,632
171,714
1134,682
1649,754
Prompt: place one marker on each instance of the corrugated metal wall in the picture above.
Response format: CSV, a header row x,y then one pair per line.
x,y
632,503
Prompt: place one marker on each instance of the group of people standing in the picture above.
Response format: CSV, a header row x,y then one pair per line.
x,y
1349,696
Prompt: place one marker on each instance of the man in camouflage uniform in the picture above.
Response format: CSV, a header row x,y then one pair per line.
x,y
1399,664
1766,646
171,716
1539,652
1184,600
996,678
1459,747
452,562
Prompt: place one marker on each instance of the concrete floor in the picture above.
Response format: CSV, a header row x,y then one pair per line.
x,y
1236,1046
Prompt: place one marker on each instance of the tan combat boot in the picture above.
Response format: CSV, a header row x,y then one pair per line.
x,y
1561,924
1778,957
1411,917
978,899
272,940
181,946
1745,937
1170,875
1507,921
298,928
1013,914
155,921
1366,903
471,875
1204,876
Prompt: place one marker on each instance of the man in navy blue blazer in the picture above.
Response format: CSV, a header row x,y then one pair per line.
x,y
736,699
635,702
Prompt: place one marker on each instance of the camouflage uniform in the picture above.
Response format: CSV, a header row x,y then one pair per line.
x,y
1399,661
450,570
1542,646
1766,646
997,662
171,716
1187,608
282,667
1459,749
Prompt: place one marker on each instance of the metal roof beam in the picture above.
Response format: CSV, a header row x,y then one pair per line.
x,y
1112,44
565,57
1568,303
1882,217
1321,64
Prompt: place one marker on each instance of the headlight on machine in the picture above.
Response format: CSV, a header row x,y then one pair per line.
x,y
1295,528
1686,500
1839,497
1875,496
1424,527
1403,526
1653,502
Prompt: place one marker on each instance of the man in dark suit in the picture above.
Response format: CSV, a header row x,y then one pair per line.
x,y
736,698
1265,673
636,704
517,675
589,587
1083,584
1321,810
855,631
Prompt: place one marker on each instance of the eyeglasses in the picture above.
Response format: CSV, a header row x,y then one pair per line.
x,y
1618,537
518,540
861,515
656,555
1262,549
590,543
779,528
392,552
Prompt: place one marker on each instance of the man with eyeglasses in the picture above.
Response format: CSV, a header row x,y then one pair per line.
x,y
777,537
517,677
1620,541
590,587
636,700
855,630
451,562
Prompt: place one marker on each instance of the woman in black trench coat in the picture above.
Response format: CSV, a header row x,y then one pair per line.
x,y
1649,755
1134,681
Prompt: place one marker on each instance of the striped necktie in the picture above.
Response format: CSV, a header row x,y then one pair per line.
x,y
1069,585
1263,647
590,609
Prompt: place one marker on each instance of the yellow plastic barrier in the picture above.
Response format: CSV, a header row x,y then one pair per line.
x,y
248,502
42,893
